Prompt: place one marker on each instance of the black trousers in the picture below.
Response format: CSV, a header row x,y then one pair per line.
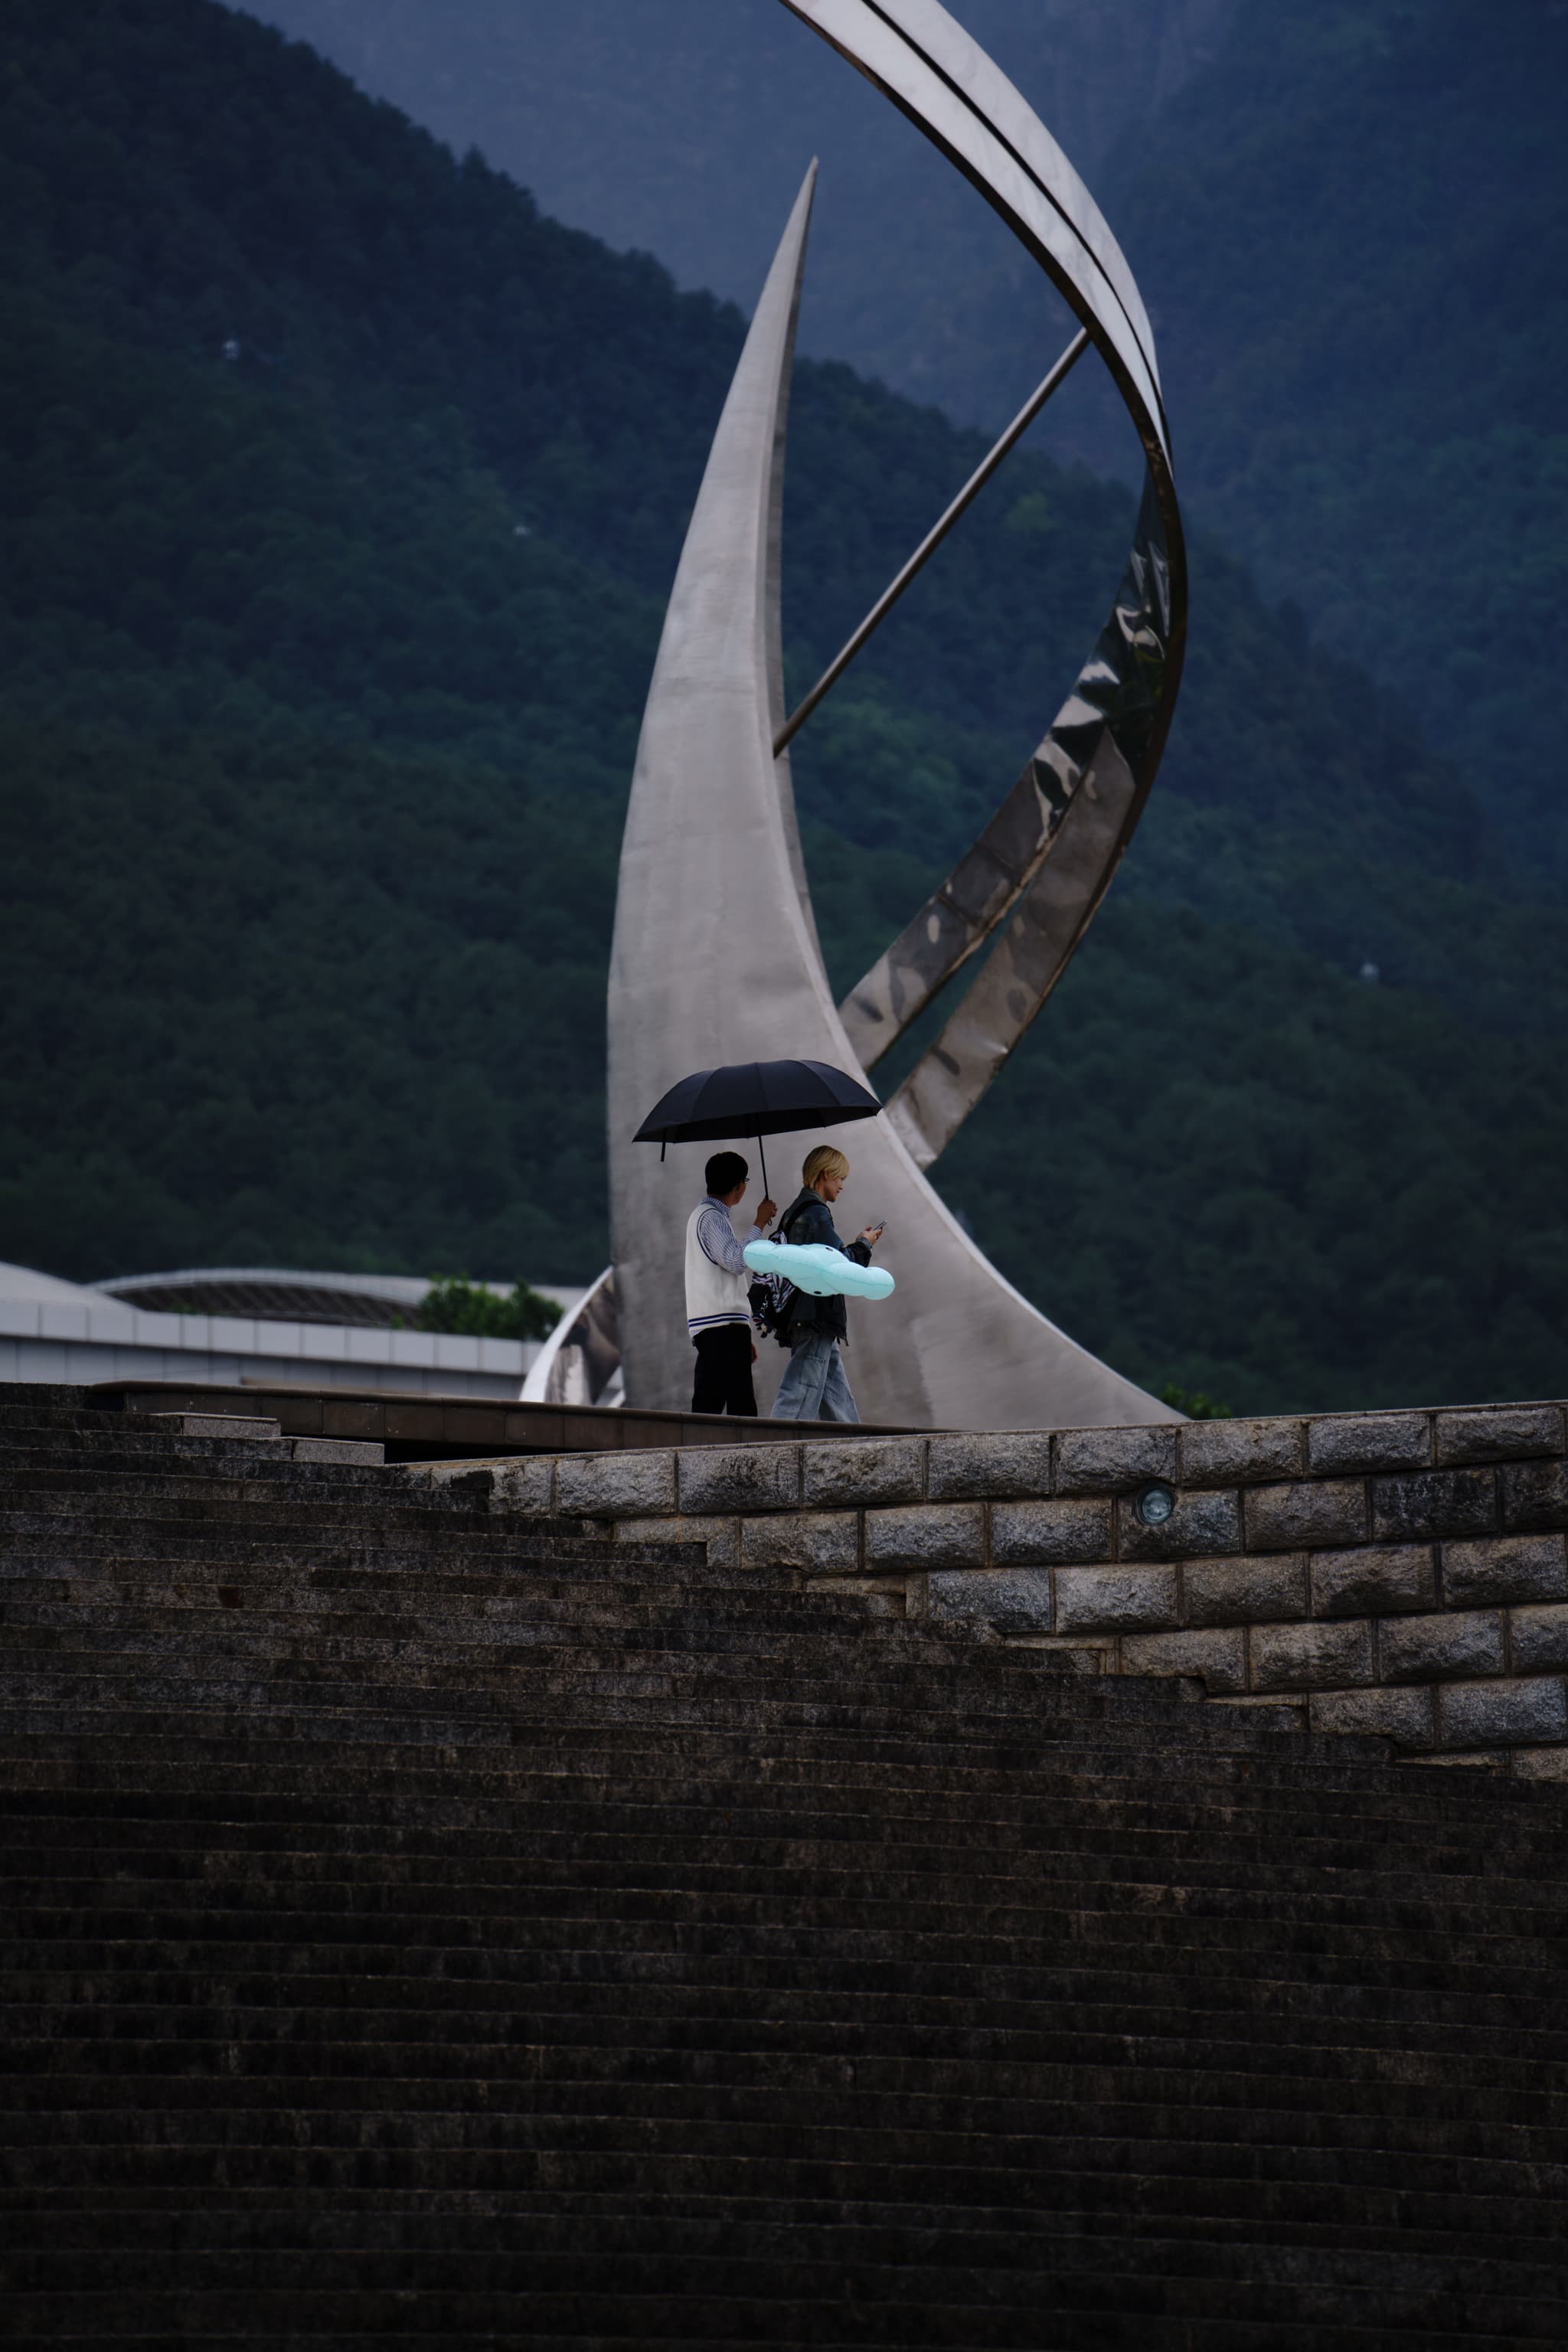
x,y
723,1382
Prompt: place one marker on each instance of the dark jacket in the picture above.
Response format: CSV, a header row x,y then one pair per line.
x,y
810,1219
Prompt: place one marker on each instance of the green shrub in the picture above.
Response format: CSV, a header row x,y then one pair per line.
x,y
1193,1403
473,1311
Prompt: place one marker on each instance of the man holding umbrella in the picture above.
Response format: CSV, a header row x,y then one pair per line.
x,y
761,1098
718,1315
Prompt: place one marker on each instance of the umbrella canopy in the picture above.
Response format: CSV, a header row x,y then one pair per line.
x,y
758,1098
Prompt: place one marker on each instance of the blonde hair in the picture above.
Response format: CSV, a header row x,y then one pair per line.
x,y
824,1161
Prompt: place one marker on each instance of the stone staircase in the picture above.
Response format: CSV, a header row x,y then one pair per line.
x,y
426,1922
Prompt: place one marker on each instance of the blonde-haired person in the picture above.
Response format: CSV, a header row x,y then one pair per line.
x,y
814,1387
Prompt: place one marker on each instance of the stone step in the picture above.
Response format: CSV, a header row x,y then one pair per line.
x,y
74,2029
602,1584
556,1818
662,1856
232,1426
425,1650
39,1404
458,1624
1087,1997
604,1580
195,1805
536,1700
625,2326
165,1605
139,1465
422,1626
661,1934
654,1641
334,1884
1112,1999
146,1459
231,1429
64,1463
1268,1750
1053,2243
546,1824
290,1551
930,1870
1117,2318
541,1690
647,1914
1191,2106
1052,2267
75,2068
310,1508
233,1507
908,1662
1332,2169
741,2306
1125,1755
485,1722
1055,2250
575,1942
299,1521
192,1468
45,1929
375,2221
658,1868
255,1598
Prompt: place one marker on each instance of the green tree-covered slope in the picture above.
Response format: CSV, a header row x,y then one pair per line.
x,y
1358,229
320,674
682,127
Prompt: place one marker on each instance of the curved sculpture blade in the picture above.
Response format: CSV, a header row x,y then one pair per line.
x,y
1104,732
715,960
1043,859
922,59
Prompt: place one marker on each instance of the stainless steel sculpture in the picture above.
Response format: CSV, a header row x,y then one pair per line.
x,y
716,958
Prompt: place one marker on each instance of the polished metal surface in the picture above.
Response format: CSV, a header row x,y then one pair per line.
x,y
580,1364
1112,725
715,958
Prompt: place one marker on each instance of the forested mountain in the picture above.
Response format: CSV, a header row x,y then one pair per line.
x,y
340,492
1350,218
1359,233
681,127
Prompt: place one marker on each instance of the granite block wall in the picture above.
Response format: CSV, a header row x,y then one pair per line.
x,y
1402,1573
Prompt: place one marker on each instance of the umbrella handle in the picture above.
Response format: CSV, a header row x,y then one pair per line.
x,y
764,1157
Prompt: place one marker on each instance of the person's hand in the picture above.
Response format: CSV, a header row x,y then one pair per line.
x,y
872,1235
766,1210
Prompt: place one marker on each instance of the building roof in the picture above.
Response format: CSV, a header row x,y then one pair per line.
x,y
25,1283
278,1294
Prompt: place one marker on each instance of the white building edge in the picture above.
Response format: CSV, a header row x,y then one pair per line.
x,y
228,1327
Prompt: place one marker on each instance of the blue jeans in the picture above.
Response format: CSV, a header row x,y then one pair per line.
x,y
814,1387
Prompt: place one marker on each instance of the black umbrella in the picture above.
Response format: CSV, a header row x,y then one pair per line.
x,y
747,1098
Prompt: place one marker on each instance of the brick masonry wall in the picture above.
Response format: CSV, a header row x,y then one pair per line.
x,y
1395,1573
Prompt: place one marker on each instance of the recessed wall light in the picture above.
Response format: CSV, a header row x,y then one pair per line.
x,y
1155,1504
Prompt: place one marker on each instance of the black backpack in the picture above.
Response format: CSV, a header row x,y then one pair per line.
x,y
771,1298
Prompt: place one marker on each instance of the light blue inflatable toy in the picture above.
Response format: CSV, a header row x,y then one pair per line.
x,y
821,1272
